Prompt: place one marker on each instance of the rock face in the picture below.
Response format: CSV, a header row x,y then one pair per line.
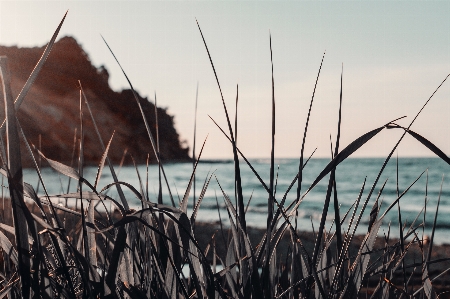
x,y
51,109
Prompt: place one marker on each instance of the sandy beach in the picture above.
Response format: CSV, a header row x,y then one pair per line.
x,y
440,254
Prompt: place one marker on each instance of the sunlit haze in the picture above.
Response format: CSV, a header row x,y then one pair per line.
x,y
394,55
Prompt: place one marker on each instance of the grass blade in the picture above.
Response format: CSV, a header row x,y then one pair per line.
x,y
184,203
321,230
200,198
434,223
402,244
38,66
195,139
73,156
300,177
268,287
336,151
348,238
102,162
157,149
61,168
152,141
300,166
431,146
15,181
35,71
220,219
427,286
54,241
344,154
111,168
90,231
237,172
86,291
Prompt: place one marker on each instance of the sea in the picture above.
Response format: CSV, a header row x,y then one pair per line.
x,y
427,181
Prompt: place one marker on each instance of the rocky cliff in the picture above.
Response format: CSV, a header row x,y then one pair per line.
x,y
51,108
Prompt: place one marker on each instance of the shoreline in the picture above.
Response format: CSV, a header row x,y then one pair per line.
x,y
204,231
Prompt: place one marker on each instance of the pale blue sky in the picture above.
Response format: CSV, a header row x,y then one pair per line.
x,y
394,53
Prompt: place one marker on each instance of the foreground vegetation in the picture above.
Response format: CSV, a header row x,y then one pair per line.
x,y
95,252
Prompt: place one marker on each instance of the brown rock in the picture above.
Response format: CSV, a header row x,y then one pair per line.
x,y
51,108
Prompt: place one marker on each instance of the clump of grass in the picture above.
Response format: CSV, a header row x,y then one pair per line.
x,y
98,252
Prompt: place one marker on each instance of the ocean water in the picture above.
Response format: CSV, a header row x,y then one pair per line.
x,y
350,176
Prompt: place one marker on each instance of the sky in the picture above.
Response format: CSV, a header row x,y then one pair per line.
x,y
393,55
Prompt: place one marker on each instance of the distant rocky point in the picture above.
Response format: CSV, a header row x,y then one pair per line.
x,y
51,109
